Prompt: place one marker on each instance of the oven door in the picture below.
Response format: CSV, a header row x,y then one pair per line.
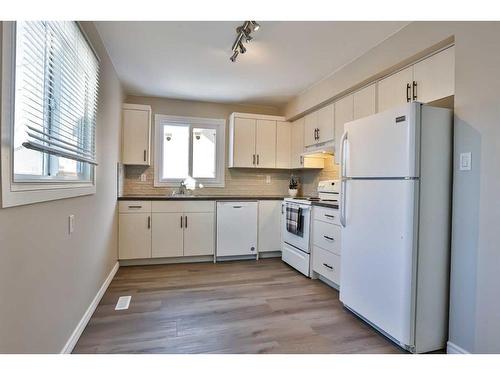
x,y
300,241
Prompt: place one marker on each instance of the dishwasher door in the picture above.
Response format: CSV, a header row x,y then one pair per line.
x,y
236,228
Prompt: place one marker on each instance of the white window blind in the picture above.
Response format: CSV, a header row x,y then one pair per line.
x,y
56,90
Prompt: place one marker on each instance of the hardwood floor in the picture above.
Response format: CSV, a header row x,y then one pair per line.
x,y
232,307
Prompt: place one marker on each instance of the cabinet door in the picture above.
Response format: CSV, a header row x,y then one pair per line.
x,y
136,137
244,143
283,144
435,76
326,124
167,235
134,236
297,146
343,114
364,102
310,126
199,233
265,144
269,233
392,91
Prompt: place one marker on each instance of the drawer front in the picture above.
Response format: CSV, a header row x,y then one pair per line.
x,y
134,206
326,264
183,206
327,236
328,215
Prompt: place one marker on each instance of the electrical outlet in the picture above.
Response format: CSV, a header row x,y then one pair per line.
x,y
71,223
268,179
143,177
465,161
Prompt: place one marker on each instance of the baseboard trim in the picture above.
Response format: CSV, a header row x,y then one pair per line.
x,y
73,339
452,348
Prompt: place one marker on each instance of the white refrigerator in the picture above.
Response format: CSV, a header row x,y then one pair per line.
x,y
395,210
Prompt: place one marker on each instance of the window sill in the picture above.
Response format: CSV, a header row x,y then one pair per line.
x,y
12,198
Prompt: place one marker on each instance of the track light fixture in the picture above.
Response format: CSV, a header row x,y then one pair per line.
x,y
234,56
243,34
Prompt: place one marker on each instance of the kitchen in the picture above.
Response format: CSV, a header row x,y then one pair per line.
x,y
333,214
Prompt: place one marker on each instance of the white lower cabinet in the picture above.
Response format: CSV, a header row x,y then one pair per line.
x,y
199,233
134,235
327,264
167,235
326,249
269,235
166,229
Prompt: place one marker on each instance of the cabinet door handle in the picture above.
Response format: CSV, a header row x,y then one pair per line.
x,y
134,206
145,155
408,88
329,238
301,160
318,135
253,162
149,222
330,216
328,266
414,90
257,159
181,221
185,221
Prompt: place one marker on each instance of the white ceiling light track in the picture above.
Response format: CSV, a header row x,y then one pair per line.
x,y
243,34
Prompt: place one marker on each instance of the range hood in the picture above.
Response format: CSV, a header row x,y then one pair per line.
x,y
324,150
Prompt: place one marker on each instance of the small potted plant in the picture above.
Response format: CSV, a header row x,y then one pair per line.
x,y
293,186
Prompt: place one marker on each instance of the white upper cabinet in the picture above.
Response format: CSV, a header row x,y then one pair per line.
x,y
263,141
364,102
343,113
297,144
434,77
283,144
395,90
428,80
136,135
265,144
243,145
326,126
310,129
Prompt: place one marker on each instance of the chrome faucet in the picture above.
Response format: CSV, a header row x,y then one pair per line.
x,y
182,188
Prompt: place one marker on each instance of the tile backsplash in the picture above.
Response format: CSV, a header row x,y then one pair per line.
x,y
237,181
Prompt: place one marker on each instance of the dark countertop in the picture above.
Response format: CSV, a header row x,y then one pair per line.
x,y
200,198
332,205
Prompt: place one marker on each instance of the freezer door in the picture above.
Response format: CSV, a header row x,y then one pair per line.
x,y
383,145
377,254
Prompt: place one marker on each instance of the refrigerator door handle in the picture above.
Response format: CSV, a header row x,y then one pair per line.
x,y
342,202
342,155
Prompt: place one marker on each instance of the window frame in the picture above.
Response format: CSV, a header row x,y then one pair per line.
x,y
192,122
27,191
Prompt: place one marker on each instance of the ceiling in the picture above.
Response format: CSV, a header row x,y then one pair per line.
x,y
190,60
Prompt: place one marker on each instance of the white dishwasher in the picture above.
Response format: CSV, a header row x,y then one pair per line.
x,y
236,228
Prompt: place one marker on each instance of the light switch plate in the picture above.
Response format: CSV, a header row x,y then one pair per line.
x,y
143,177
465,161
71,223
268,179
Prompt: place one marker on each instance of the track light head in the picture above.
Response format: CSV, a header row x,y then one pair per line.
x,y
255,25
234,56
242,48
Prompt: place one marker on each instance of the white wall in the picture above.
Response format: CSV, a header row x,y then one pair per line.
x,y
475,268
48,278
